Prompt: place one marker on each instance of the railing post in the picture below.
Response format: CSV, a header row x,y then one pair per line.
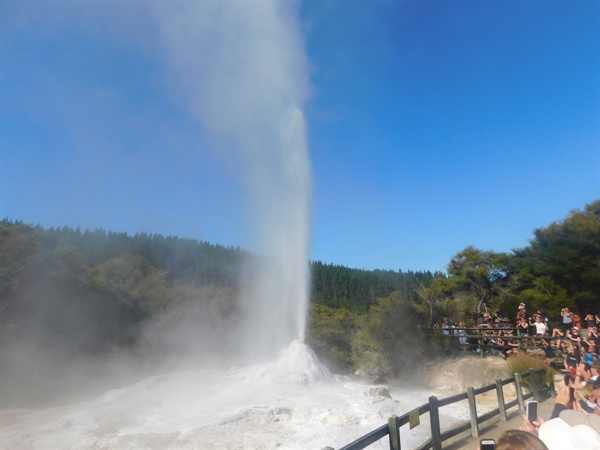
x,y
519,389
473,411
501,404
534,386
394,430
434,418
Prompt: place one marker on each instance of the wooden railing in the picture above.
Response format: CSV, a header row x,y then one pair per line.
x,y
538,391
475,336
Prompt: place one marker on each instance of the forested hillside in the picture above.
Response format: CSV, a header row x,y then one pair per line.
x,y
141,273
90,292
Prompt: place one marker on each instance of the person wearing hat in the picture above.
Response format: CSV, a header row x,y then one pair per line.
x,y
567,429
572,430
574,335
521,312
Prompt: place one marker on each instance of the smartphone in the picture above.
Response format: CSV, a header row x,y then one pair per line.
x,y
487,444
567,380
532,410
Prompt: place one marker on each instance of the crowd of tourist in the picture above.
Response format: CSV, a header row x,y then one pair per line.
x,y
568,344
574,423
572,345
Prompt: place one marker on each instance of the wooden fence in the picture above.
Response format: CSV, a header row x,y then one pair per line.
x,y
538,391
483,340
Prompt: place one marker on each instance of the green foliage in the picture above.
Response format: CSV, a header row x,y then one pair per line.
x,y
96,288
479,276
330,333
441,299
388,338
341,287
523,363
132,280
561,267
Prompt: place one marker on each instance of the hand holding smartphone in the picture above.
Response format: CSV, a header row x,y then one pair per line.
x,y
532,411
487,444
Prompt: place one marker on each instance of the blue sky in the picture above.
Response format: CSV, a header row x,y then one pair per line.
x,y
433,125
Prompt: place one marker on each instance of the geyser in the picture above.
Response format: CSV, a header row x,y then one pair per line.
x,y
241,68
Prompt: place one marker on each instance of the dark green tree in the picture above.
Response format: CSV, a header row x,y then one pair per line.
x,y
561,266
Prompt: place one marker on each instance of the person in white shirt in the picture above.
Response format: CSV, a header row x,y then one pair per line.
x,y
540,328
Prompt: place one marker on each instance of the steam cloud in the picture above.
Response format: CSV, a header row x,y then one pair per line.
x,y
242,71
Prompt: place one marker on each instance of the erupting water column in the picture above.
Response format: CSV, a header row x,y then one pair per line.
x,y
277,299
242,68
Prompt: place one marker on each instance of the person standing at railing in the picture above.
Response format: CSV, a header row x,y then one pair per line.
x,y
462,336
523,330
543,315
540,328
576,320
521,312
590,322
567,319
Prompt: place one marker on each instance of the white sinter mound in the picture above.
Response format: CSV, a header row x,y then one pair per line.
x,y
294,402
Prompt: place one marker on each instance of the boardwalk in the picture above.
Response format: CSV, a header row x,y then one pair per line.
x,y
494,428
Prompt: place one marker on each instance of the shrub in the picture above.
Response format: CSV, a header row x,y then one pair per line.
x,y
522,363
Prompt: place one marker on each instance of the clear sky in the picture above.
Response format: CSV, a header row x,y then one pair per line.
x,y
433,125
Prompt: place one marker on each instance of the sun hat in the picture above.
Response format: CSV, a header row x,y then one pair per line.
x,y
573,418
557,434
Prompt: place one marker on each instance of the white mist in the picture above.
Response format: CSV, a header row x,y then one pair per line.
x,y
241,69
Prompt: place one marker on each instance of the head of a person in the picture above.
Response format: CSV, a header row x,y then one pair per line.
x,y
519,440
591,390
